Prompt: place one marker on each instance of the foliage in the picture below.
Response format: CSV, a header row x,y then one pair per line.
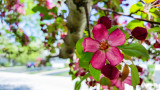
x,y
30,27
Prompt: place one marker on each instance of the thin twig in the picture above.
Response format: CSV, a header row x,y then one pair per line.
x,y
87,19
119,13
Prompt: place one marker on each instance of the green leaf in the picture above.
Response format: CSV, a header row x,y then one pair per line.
x,y
135,49
155,29
64,11
79,47
134,76
112,29
135,23
95,73
78,83
144,16
119,67
54,10
126,33
45,11
41,9
105,81
116,3
136,7
84,61
115,88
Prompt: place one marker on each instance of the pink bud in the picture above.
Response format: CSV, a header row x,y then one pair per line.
x,y
156,45
110,72
140,33
105,21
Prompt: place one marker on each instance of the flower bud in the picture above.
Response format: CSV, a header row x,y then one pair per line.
x,y
140,33
140,69
156,45
110,72
105,21
82,73
141,80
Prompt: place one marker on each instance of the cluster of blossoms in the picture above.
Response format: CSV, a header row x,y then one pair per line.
x,y
16,6
22,37
103,45
75,68
106,54
141,33
50,4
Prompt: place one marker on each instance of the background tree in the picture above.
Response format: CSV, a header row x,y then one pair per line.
x,y
74,28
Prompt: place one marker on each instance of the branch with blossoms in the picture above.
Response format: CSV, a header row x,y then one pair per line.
x,y
101,56
119,13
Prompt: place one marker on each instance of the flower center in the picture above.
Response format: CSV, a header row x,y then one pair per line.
x,y
103,45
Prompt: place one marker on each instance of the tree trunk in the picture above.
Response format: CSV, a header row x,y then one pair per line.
x,y
76,23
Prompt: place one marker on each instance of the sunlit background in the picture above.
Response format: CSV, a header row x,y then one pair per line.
x,y
35,67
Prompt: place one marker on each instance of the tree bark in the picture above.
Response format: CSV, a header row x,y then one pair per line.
x,y
76,23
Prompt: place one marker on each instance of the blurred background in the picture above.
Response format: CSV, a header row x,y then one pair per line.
x,y
30,43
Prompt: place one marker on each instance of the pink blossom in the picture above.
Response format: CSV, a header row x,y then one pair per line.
x,y
156,38
20,8
63,35
120,84
125,22
38,59
41,15
104,46
158,59
50,4
76,67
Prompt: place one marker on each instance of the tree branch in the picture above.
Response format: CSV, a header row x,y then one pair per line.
x,y
119,13
76,24
87,19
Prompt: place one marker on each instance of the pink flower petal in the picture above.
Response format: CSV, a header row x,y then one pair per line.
x,y
116,38
50,4
104,87
98,60
100,33
90,45
110,72
118,84
114,56
76,67
128,80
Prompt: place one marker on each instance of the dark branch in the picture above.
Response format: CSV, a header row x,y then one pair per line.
x,y
118,13
87,19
